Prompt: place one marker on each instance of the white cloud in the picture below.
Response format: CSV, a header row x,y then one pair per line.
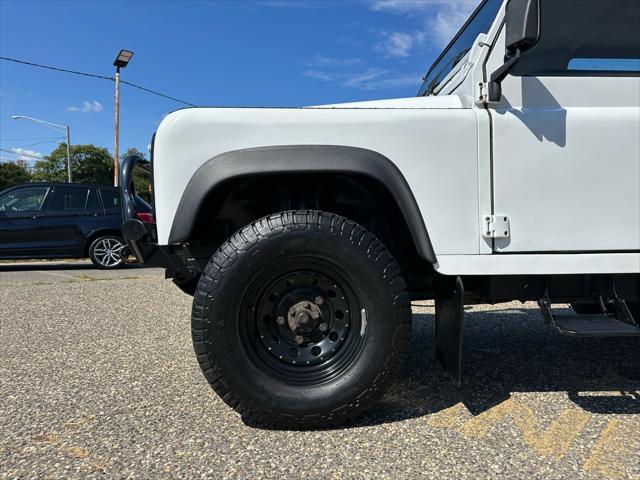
x,y
319,75
308,4
395,81
398,44
364,79
403,7
434,22
360,79
87,107
449,20
400,6
25,154
324,61
369,79
439,21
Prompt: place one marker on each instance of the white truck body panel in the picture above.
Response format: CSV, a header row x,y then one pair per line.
x,y
419,141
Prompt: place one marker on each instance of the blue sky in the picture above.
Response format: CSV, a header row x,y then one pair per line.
x,y
249,53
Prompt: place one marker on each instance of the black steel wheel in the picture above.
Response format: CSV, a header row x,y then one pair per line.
x,y
300,324
301,320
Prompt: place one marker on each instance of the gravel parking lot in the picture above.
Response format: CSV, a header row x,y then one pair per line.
x,y
98,379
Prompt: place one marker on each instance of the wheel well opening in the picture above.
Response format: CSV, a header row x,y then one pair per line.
x,y
359,198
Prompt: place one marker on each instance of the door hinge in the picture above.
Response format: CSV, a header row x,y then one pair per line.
x,y
495,226
481,93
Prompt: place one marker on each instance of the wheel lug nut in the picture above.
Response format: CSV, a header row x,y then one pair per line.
x,y
299,339
319,300
280,320
323,327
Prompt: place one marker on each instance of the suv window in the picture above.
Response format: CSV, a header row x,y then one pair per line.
x,y
92,200
23,200
480,22
581,36
110,199
68,198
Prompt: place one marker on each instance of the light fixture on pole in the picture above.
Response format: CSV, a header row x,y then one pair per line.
x,y
58,128
121,61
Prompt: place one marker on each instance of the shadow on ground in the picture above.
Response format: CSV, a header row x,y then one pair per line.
x,y
507,351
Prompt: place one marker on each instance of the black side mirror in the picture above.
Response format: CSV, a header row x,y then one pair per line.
x,y
522,32
523,25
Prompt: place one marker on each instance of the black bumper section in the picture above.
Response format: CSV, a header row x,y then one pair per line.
x,y
141,237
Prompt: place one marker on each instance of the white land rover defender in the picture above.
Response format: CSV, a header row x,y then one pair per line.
x,y
304,233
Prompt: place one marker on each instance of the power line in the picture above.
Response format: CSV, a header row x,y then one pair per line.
x,y
56,68
48,140
102,77
157,93
51,140
4,140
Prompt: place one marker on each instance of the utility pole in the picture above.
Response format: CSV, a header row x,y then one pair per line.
x,y
121,61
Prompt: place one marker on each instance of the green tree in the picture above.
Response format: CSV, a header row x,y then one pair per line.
x,y
13,173
89,164
141,177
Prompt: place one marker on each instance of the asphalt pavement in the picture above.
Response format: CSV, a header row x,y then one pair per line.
x,y
98,380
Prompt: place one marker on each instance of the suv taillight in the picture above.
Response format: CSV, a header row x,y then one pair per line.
x,y
144,217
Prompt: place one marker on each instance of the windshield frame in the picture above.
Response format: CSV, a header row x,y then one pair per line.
x,y
423,92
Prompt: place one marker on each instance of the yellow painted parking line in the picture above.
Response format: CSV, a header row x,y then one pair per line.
x,y
554,441
618,444
448,418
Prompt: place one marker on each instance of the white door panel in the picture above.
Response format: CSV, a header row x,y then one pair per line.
x,y
566,163
568,178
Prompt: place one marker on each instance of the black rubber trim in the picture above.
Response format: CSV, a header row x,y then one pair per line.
x,y
127,192
300,159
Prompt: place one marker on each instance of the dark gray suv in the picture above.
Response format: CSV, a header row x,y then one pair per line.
x,y
62,220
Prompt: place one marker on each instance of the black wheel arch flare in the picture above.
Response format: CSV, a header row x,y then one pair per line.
x,y
289,159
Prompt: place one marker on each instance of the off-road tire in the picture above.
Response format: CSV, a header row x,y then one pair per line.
x,y
271,244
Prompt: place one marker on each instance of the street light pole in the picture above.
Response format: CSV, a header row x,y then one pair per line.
x,y
121,61
57,128
117,130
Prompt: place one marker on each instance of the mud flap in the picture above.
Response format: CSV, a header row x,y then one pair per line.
x,y
450,326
